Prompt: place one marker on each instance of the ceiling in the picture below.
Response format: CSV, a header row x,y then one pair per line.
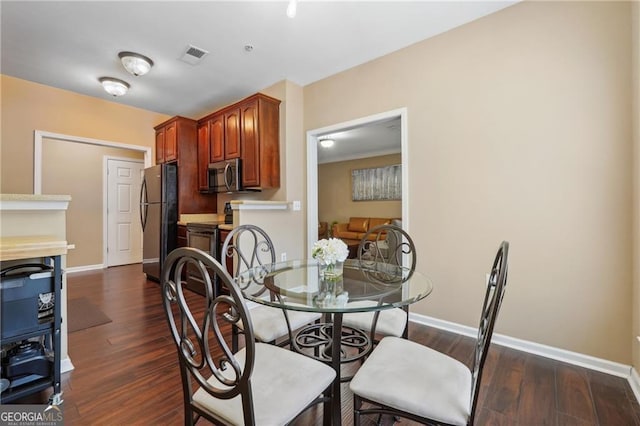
x,y
71,44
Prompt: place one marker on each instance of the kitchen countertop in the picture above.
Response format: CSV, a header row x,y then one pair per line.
x,y
34,202
13,248
212,218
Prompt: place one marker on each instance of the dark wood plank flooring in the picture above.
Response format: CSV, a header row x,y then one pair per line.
x,y
125,371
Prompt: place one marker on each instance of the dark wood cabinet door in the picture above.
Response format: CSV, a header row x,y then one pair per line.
x,y
203,155
250,144
182,236
224,259
170,142
216,138
232,134
159,146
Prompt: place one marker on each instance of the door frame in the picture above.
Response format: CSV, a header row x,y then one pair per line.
x,y
312,165
105,201
39,136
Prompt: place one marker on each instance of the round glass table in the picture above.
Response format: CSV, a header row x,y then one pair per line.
x,y
362,287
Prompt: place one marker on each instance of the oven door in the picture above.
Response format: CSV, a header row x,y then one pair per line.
x,y
207,241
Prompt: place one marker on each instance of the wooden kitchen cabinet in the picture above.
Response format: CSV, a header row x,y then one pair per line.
x,y
177,140
182,236
249,130
232,134
260,138
216,137
166,142
203,155
228,261
210,146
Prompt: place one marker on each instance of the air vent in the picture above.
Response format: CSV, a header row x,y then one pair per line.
x,y
193,55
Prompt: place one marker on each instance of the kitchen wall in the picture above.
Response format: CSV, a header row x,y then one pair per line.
x,y
334,191
519,128
28,106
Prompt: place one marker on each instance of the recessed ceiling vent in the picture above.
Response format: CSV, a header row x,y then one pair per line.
x,y
193,55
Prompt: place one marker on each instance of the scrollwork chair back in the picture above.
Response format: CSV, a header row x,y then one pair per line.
x,y
197,325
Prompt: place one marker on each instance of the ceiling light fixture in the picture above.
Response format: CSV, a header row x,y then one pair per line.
x,y
135,63
291,9
327,143
114,86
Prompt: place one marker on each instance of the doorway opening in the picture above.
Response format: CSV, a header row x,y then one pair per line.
x,y
89,197
313,136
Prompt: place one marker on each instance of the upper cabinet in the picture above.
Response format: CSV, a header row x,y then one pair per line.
x,y
260,142
249,130
167,136
178,139
232,134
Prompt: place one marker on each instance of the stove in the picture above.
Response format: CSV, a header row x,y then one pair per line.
x,y
204,236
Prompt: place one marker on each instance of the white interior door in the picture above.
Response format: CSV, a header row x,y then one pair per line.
x,y
124,232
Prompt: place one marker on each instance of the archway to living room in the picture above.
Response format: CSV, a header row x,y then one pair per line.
x,y
367,154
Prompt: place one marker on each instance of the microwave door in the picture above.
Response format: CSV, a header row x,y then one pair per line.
x,y
216,179
228,177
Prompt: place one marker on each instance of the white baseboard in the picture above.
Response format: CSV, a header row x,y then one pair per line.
x,y
634,382
575,358
66,365
83,268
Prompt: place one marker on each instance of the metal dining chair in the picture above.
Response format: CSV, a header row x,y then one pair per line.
x,y
382,250
406,379
249,246
259,385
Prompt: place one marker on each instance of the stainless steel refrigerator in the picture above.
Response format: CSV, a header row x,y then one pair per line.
x,y
158,216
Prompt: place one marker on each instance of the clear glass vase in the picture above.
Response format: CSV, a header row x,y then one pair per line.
x,y
330,271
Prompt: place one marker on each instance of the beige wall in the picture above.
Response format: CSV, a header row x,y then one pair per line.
x,y
636,180
84,182
28,106
334,191
519,128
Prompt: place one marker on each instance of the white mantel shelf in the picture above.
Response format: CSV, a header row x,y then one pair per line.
x,y
259,205
34,202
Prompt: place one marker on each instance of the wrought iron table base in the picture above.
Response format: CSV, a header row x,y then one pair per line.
x,y
320,337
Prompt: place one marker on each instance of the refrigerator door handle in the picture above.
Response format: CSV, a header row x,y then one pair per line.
x,y
143,204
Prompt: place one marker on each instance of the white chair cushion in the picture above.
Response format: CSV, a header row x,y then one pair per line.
x,y
414,378
391,322
269,323
283,384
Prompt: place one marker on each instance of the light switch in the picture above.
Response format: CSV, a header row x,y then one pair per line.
x,y
296,205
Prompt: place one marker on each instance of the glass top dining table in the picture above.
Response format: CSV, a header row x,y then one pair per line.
x,y
363,287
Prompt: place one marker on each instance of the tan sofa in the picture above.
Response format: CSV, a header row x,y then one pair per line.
x,y
357,227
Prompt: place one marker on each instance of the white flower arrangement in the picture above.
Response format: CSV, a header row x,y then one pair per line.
x,y
329,251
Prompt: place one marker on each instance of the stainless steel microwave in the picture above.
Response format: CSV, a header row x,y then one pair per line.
x,y
225,176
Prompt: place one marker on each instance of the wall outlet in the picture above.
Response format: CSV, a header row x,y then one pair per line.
x,y
283,257
296,205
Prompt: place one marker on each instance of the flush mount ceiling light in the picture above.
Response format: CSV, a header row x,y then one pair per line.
x,y
135,63
291,9
114,86
327,143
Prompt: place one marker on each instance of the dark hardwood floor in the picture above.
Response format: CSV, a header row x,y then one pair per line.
x,y
125,371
